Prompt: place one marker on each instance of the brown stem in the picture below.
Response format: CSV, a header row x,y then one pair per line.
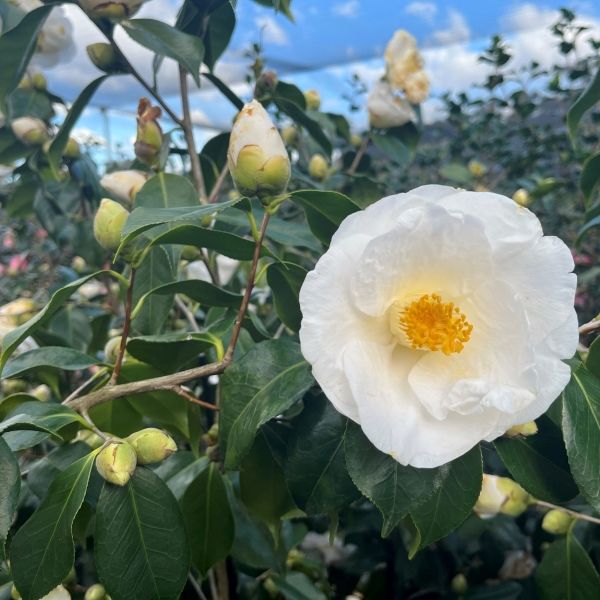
x,y
180,391
84,385
187,313
126,326
573,513
590,327
166,382
222,580
218,184
358,156
189,137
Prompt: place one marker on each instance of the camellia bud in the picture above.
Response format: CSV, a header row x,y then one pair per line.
x,y
149,134
524,430
257,158
501,494
152,445
459,584
289,135
104,57
117,9
356,140
521,196
17,312
41,392
116,462
111,349
95,592
71,149
190,253
476,168
318,167
557,522
265,84
78,264
30,130
108,223
313,99
124,185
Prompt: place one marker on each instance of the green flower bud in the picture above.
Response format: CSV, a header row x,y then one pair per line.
x,y
557,522
78,264
190,253
108,224
17,312
116,462
71,149
501,494
30,130
318,167
289,135
524,430
459,584
149,134
39,82
111,349
95,592
117,9
313,99
13,386
521,196
356,140
41,392
104,57
257,158
266,84
152,445
476,168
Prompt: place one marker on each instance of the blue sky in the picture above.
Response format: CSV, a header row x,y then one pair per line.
x,y
328,43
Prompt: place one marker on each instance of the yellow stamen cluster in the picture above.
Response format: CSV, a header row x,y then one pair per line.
x,y
430,324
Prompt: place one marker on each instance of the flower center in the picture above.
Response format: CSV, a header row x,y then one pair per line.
x,y
427,323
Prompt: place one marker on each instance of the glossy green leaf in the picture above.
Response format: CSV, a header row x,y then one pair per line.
x,y
325,210
13,338
592,362
581,430
32,422
586,100
451,503
566,572
59,143
141,547
165,40
292,110
539,463
208,519
10,476
393,488
590,176
285,281
42,551
180,470
263,384
315,469
297,586
395,149
17,46
57,357
218,33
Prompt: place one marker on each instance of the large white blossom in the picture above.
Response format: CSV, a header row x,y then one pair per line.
x,y
439,318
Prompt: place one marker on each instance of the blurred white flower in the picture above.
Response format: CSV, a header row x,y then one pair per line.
x,y
226,267
439,318
402,58
416,87
124,185
386,109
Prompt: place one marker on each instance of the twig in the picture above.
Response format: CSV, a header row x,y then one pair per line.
x,y
126,326
189,137
181,391
196,587
213,585
590,327
86,416
218,184
187,313
573,513
112,392
84,385
358,156
222,580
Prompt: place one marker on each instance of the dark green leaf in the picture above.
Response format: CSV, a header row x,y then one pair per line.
x,y
590,176
292,110
9,491
208,519
392,147
592,361
17,47
566,572
42,551
393,488
165,190
297,586
262,385
285,281
316,466
581,430
165,40
180,470
588,98
218,33
141,547
56,357
59,143
539,463
451,503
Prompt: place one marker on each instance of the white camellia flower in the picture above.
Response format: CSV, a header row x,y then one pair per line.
x,y
124,185
387,110
439,318
416,87
402,58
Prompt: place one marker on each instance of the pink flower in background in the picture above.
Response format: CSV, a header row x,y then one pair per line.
x,y
582,260
581,299
41,234
17,263
9,240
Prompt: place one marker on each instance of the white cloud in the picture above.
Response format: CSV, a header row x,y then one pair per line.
x,y
422,10
347,9
527,16
272,32
456,30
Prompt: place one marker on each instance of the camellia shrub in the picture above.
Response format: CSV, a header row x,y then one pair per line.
x,y
299,362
